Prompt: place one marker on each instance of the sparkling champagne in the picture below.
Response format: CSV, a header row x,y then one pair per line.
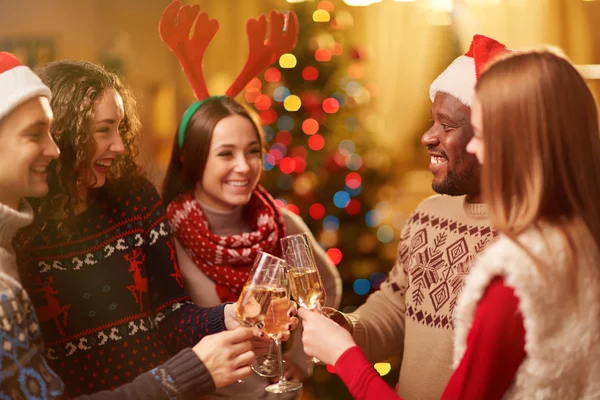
x,y
306,287
276,317
254,303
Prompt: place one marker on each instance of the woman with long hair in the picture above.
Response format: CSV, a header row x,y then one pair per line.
x,y
99,259
527,324
221,217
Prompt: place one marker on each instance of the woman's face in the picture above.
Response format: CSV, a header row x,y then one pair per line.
x,y
233,166
104,128
476,145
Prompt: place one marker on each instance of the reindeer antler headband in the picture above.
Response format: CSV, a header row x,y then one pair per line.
x,y
189,41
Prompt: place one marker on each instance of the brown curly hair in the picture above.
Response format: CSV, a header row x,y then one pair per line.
x,y
76,86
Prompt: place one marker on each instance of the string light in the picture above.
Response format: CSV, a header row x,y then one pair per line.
x,y
316,142
383,368
310,126
310,73
321,16
335,255
292,103
287,60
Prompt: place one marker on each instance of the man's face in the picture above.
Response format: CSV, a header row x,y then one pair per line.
x,y
455,172
26,149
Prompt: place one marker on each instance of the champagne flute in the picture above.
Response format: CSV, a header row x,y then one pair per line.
x,y
305,281
264,302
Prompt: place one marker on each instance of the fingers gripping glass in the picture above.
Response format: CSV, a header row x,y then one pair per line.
x,y
304,279
264,302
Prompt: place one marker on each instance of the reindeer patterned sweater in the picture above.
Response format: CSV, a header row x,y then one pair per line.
x,y
110,301
411,315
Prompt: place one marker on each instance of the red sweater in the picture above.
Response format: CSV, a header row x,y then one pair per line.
x,y
495,350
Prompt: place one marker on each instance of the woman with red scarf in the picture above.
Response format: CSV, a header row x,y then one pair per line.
x,y
222,218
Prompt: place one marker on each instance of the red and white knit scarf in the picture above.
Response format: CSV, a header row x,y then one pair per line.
x,y
227,260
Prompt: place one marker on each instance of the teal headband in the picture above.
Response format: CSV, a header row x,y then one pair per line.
x,y
185,120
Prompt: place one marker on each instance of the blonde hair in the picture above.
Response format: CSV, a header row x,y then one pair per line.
x,y
542,147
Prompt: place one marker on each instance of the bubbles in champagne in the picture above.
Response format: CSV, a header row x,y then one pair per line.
x,y
254,303
306,287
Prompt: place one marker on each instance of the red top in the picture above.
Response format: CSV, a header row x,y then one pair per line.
x,y
495,350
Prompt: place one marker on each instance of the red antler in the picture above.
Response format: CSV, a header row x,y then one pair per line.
x,y
175,29
261,54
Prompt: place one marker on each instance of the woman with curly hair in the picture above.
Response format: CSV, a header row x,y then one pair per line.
x,y
99,260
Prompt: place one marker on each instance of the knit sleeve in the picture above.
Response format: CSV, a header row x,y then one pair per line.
x,y
381,334
22,351
180,322
495,347
361,379
182,377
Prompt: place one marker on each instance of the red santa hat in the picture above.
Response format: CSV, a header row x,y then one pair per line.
x,y
18,84
460,77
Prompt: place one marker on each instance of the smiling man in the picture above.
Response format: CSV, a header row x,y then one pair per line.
x,y
438,243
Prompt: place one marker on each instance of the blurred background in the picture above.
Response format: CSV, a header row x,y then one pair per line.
x,y
343,113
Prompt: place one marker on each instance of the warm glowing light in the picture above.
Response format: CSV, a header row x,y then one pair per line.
x,y
287,165
326,5
331,105
262,102
272,75
292,103
316,211
287,60
310,126
255,83
321,16
442,5
322,55
310,73
383,368
316,142
335,255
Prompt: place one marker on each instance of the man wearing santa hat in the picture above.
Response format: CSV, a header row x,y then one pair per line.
x,y
411,314
26,150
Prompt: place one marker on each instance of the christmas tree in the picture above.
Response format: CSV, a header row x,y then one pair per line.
x,y
321,162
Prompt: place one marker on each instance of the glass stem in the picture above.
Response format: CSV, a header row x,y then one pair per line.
x,y
280,358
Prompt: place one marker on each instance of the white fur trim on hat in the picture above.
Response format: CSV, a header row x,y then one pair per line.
x,y
457,80
17,85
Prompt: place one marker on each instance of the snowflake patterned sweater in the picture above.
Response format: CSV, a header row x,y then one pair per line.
x,y
437,246
110,301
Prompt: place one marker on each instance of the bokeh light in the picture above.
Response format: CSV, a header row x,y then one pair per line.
x,y
316,211
377,279
310,73
280,93
321,16
331,105
341,199
287,60
373,218
287,165
354,162
272,75
383,368
353,180
316,142
292,103
322,55
385,234
347,147
361,286
262,102
310,126
335,255
353,207
331,223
